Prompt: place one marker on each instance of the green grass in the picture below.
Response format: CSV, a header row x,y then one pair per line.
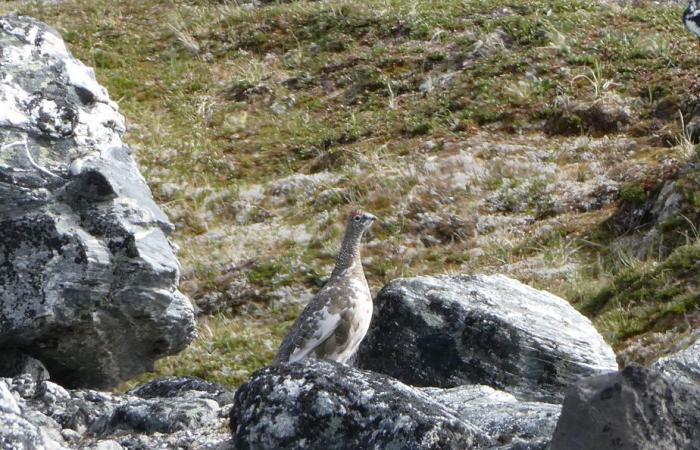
x,y
649,295
226,349
222,98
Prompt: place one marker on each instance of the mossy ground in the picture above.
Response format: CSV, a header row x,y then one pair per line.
x,y
224,97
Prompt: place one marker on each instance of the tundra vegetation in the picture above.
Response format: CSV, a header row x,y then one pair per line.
x,y
530,138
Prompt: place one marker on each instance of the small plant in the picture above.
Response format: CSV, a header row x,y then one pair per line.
x,y
183,35
685,146
594,77
520,90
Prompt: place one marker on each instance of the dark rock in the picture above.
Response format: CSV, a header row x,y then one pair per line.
x,y
84,253
14,363
179,386
636,408
318,404
452,330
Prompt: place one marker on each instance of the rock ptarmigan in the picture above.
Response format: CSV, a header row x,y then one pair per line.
x,y
336,320
691,17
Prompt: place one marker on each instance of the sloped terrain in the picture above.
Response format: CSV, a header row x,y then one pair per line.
x,y
548,140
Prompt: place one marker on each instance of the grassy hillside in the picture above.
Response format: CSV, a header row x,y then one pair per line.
x,y
528,138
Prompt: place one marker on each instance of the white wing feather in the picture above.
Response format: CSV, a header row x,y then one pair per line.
x,y
326,326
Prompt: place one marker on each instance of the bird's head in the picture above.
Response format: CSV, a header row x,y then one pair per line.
x,y
360,221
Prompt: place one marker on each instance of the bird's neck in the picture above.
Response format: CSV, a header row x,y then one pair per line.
x,y
349,255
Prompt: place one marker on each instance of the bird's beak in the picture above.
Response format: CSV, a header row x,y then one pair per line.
x,y
371,217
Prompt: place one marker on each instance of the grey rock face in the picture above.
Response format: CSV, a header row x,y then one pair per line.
x,y
636,408
176,414
514,424
315,404
88,279
683,366
452,330
156,415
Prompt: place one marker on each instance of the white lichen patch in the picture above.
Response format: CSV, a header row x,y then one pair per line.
x,y
13,100
284,425
326,406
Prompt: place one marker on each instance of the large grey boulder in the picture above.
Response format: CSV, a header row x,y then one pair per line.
x,y
173,413
635,409
88,278
452,330
317,404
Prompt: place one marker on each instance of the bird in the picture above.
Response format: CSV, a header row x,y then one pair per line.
x,y
691,17
336,319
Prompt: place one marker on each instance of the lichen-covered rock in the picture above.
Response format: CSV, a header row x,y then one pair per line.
x,y
178,386
16,431
317,404
88,279
158,415
452,330
635,409
173,413
512,423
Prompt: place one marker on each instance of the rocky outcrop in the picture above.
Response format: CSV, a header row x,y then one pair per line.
x,y
636,408
88,278
452,330
510,423
169,413
16,432
324,405
320,404
683,365
656,221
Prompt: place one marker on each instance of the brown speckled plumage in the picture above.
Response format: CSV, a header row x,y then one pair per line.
x,y
334,322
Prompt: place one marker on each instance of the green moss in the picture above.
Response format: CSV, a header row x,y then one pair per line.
x,y
266,272
633,193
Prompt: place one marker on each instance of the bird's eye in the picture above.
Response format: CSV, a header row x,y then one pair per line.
x,y
356,218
